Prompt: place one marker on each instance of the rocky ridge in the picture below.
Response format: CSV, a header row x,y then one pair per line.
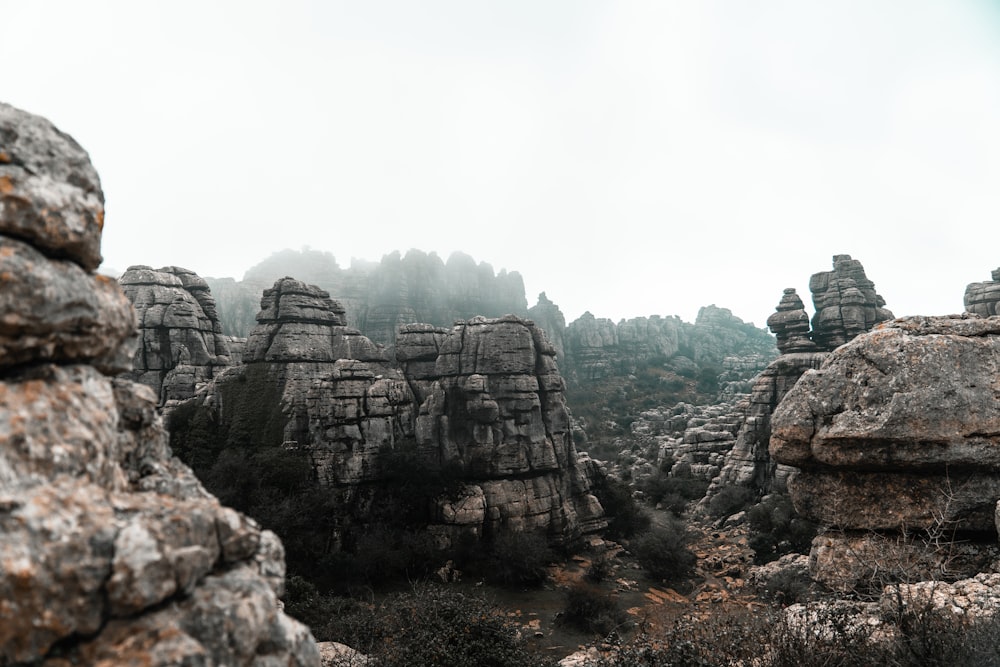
x,y
110,549
482,400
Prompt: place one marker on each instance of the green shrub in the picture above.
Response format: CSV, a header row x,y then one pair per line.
x,y
673,492
729,500
776,530
519,559
663,551
591,609
625,516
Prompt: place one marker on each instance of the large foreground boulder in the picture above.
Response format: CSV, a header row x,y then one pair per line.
x,y
111,552
897,440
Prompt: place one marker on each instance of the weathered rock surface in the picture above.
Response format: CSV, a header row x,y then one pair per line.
x,y
110,550
483,399
181,344
983,298
846,303
899,430
547,315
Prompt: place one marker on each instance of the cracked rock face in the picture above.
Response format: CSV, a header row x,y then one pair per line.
x,y
483,398
180,342
898,431
111,552
983,298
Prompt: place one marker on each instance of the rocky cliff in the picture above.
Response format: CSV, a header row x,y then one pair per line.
x,y
983,298
845,304
895,440
111,552
379,297
481,402
181,344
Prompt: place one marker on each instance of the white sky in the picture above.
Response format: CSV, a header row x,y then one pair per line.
x,y
628,158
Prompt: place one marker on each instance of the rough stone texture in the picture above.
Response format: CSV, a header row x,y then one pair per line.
x,y
899,430
111,552
790,324
974,598
50,194
483,399
55,310
181,344
983,298
846,303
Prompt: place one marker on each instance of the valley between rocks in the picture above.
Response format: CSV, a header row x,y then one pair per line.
x,y
649,490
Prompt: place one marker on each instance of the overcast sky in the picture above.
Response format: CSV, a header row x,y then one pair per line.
x,y
628,158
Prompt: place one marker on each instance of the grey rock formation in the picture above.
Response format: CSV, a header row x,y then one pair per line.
x,y
181,344
898,432
483,399
380,297
547,315
846,303
983,298
110,550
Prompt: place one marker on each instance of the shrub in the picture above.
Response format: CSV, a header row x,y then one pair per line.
x,y
436,626
519,559
776,530
590,609
663,551
730,500
625,517
672,491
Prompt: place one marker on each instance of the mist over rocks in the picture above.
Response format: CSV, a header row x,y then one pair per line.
x,y
378,297
110,549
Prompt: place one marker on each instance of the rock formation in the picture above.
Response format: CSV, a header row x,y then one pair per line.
x,y
550,319
846,304
379,297
181,344
983,298
897,435
482,399
110,550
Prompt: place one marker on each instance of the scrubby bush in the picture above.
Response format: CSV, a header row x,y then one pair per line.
x,y
625,517
519,559
776,530
729,500
673,492
664,551
591,609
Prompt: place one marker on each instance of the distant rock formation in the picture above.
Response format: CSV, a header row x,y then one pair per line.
x,y
111,552
897,433
597,348
983,298
551,320
846,304
482,399
181,344
380,297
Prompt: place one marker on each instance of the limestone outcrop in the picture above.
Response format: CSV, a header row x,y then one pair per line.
x,y
181,344
897,433
111,552
482,399
846,304
983,298
379,297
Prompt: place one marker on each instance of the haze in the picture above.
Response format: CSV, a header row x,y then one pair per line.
x,y
626,158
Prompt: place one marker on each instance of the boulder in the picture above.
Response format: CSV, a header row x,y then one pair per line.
x,y
898,432
110,549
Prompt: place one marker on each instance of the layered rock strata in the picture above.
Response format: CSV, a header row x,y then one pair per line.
x,y
897,434
111,552
846,304
181,344
983,298
482,399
